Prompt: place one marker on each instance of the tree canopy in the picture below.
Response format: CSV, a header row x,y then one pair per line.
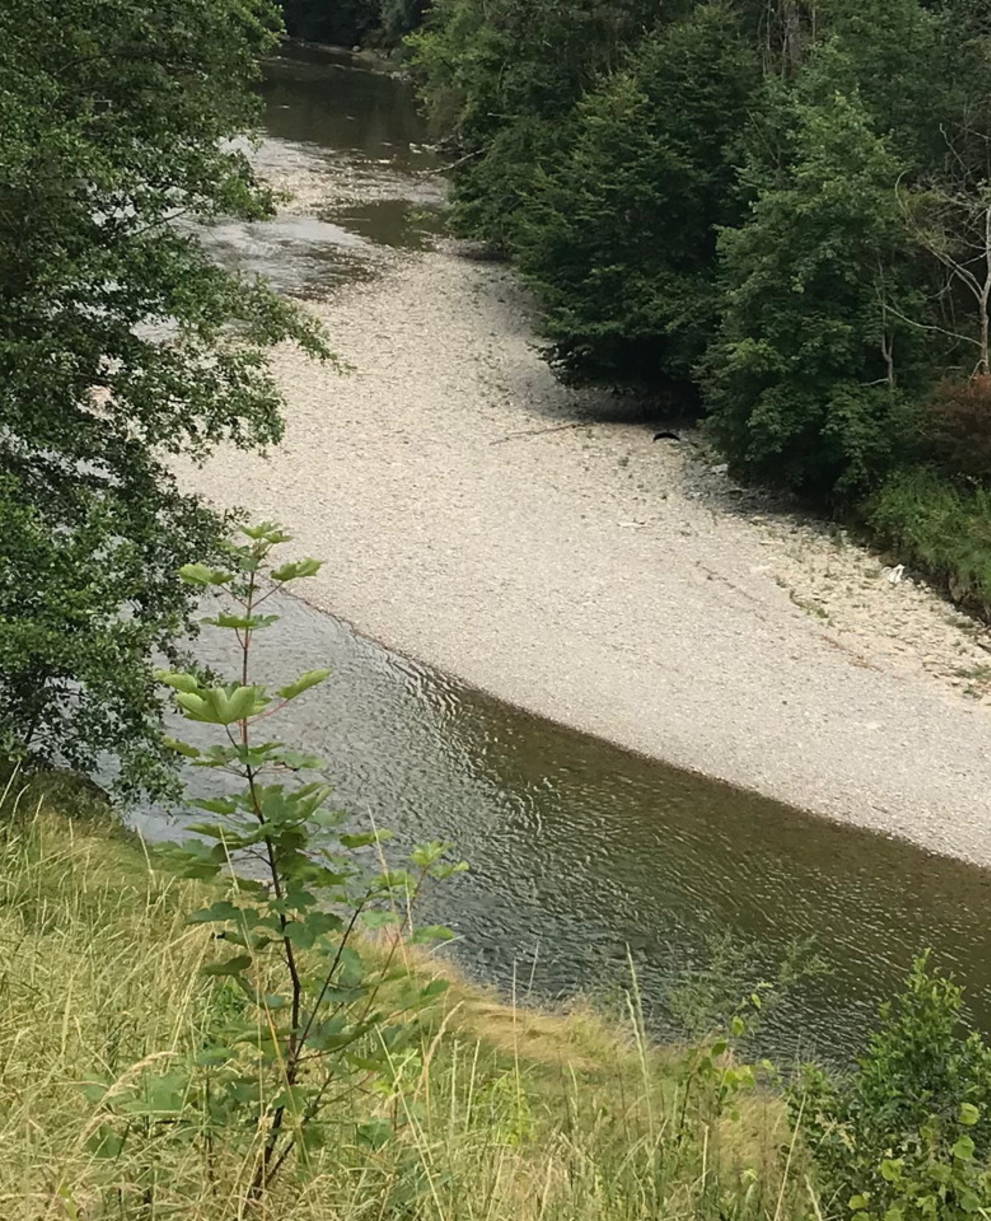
x,y
776,214
121,344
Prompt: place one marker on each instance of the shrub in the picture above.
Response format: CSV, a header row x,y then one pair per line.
x,y
311,1026
957,426
941,526
907,1135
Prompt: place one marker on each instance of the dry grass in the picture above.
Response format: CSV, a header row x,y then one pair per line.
x,y
502,1113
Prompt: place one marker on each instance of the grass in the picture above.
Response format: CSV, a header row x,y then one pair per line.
x,y
939,526
502,1113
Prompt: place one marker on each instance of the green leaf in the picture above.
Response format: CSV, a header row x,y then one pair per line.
x,y
859,1202
426,855
303,683
232,966
969,1114
427,933
182,748
297,568
216,805
436,987
375,1133
241,622
301,934
443,871
178,679
363,838
221,910
963,1149
266,531
891,1169
220,706
200,574
106,1143
738,1027
194,705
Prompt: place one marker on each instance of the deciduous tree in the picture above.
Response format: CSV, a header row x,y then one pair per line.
x,y
120,344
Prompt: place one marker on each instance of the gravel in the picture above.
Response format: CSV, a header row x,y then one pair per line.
x,y
536,542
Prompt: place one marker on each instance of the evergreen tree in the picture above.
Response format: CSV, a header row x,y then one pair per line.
x,y
500,79
619,240
808,376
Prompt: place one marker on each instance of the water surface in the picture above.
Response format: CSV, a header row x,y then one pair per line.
x,y
582,853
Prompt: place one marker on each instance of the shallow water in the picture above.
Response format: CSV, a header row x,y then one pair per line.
x,y
329,121
581,853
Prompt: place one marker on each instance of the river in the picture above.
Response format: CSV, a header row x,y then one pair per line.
x,y
583,856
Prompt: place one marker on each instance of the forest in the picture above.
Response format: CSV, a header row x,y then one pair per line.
x,y
775,214
367,23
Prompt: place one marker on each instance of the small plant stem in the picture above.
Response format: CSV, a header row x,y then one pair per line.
x,y
263,1176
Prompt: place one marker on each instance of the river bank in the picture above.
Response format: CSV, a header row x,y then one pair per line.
x,y
496,1111
537,543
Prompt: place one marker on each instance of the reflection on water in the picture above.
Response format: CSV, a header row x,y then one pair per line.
x,y
326,98
579,850
392,222
358,132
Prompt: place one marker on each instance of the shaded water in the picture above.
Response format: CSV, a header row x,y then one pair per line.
x,y
351,144
330,100
580,852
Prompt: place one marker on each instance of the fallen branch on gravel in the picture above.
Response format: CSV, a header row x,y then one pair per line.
x,y
536,432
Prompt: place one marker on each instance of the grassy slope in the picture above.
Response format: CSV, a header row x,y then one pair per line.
x,y
505,1113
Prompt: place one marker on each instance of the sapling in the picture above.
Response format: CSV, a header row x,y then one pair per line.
x,y
327,1007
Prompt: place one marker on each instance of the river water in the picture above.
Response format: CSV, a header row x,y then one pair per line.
x,y
583,856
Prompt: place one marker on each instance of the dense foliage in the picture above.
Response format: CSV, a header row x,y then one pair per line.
x,y
349,23
777,211
637,301
121,344
908,1135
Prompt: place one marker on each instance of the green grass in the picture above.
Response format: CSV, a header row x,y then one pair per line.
x,y
940,527
501,1113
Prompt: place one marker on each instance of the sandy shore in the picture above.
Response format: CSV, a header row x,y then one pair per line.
x,y
537,543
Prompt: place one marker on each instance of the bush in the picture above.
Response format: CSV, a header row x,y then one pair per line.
x,y
619,239
908,1135
941,526
957,426
297,891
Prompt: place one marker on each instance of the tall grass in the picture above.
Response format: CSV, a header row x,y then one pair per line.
x,y
500,1113
940,526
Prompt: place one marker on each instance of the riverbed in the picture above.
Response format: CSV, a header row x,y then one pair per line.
x,y
538,543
